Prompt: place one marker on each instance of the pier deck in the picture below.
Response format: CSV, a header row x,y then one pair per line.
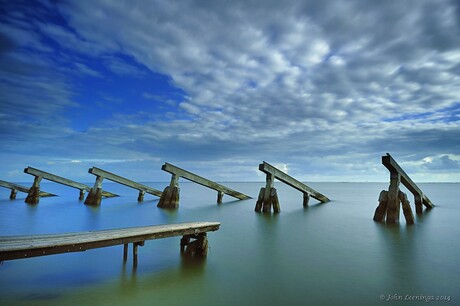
x,y
17,247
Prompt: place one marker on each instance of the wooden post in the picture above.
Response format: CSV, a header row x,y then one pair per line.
x,y
260,200
140,198
82,194
135,245
34,193
306,199
95,194
267,203
185,240
381,210
125,252
13,194
220,196
198,248
418,203
274,201
170,196
393,204
406,208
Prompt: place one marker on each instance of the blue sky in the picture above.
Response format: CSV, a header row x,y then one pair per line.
x,y
321,89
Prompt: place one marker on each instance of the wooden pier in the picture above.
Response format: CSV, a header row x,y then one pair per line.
x,y
170,196
15,188
268,196
33,196
17,247
95,195
389,201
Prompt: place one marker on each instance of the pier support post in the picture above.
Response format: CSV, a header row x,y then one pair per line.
x,y
125,252
418,203
268,197
406,208
381,210
393,206
220,196
306,199
34,192
13,194
135,245
81,197
170,196
198,247
260,200
95,194
140,198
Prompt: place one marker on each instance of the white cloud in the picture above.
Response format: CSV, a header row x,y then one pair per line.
x,y
267,80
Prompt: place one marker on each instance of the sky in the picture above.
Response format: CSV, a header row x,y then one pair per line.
x,y
319,89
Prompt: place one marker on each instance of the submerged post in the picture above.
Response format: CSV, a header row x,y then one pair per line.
x,y
34,193
95,194
268,196
391,201
170,196
15,188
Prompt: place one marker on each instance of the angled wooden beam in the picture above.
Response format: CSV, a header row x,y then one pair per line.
x,y
289,180
39,175
203,181
393,166
15,188
94,197
171,192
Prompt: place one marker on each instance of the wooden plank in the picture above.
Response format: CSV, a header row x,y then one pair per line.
x,y
393,166
202,181
124,181
287,179
63,181
20,188
16,247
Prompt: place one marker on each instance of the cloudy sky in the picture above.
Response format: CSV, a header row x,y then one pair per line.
x,y
321,89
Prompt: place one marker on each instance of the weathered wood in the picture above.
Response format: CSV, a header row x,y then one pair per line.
x,y
408,215
125,252
381,210
269,183
135,245
15,188
393,166
39,174
287,179
17,247
393,198
124,181
197,247
275,201
95,194
202,181
260,200
306,199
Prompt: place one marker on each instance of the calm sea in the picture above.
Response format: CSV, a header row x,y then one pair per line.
x,y
326,254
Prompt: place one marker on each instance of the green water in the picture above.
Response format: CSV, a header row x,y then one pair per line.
x,y
326,254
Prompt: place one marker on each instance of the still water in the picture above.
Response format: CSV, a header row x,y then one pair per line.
x,y
326,254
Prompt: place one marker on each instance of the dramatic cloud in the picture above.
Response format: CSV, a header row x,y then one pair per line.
x,y
322,88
